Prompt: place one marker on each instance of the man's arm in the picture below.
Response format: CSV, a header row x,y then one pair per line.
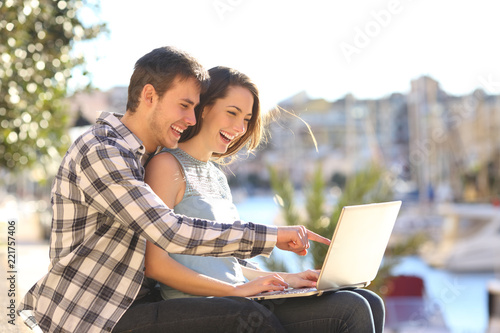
x,y
112,182
296,239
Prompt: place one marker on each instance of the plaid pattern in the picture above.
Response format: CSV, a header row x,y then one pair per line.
x,y
103,214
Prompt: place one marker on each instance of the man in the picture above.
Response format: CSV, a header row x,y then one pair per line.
x,y
104,212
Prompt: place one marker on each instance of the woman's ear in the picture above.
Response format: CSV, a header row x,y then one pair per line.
x,y
206,109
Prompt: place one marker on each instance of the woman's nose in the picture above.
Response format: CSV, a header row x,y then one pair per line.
x,y
240,127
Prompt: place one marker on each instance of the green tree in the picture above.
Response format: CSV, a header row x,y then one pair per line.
x,y
37,58
317,219
285,195
365,186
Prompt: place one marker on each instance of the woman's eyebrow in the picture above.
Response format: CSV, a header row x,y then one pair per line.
x,y
237,108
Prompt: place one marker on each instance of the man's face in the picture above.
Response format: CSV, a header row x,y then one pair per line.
x,y
174,112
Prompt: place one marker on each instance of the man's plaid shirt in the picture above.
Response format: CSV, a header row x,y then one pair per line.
x,y
103,214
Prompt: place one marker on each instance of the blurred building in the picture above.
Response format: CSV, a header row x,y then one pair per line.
x,y
343,136
454,143
434,145
90,103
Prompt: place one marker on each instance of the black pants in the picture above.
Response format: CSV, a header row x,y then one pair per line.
x,y
343,311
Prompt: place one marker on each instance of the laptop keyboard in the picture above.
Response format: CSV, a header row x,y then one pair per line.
x,y
289,291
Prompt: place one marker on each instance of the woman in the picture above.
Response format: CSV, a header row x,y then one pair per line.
x,y
229,118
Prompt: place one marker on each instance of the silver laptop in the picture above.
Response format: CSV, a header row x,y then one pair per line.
x,y
355,253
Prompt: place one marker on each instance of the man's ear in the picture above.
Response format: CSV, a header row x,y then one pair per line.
x,y
148,94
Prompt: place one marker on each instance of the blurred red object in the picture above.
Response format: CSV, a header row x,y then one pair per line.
x,y
405,285
408,307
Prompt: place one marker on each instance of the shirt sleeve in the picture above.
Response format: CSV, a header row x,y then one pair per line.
x,y
112,182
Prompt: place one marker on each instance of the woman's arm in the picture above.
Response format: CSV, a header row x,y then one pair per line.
x,y
165,177
161,267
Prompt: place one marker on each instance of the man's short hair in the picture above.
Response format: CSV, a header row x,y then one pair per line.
x,y
160,68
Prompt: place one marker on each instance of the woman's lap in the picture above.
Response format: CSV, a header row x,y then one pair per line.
x,y
342,311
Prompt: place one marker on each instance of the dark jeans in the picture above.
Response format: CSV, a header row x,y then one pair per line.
x,y
343,311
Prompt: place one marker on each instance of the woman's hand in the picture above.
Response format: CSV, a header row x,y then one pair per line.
x,y
306,279
277,281
261,284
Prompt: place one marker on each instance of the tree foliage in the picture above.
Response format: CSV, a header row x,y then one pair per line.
x,y
285,195
37,39
365,186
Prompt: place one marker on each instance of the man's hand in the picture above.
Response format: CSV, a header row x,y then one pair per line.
x,y
296,239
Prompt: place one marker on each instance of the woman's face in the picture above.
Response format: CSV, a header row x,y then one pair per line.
x,y
227,119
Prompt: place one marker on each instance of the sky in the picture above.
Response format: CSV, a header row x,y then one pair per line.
x,y
324,47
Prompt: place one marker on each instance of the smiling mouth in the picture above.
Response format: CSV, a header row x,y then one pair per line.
x,y
177,130
226,137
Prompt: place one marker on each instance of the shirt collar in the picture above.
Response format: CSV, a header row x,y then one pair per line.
x,y
113,120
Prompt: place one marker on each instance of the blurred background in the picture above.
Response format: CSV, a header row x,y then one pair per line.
x,y
373,101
